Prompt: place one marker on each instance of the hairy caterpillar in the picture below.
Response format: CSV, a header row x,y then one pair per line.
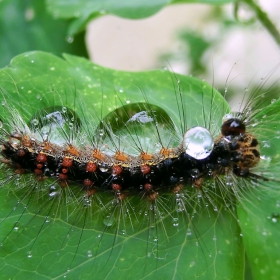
x,y
108,222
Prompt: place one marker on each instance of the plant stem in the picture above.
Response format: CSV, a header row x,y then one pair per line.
x,y
264,19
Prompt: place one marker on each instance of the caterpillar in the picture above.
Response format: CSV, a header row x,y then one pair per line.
x,y
137,174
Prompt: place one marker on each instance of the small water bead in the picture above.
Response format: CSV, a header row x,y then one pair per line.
x,y
34,122
198,142
175,222
29,254
194,173
275,217
89,253
192,264
108,221
103,167
70,39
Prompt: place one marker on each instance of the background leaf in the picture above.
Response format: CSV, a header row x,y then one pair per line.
x,y
26,26
84,10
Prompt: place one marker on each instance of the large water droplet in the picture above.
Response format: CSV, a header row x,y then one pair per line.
x,y
198,142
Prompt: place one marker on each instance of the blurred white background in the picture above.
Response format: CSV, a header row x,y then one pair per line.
x,y
136,45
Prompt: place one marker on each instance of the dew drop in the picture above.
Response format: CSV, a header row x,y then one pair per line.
x,y
192,264
275,217
198,142
70,39
34,122
103,167
175,222
89,253
108,221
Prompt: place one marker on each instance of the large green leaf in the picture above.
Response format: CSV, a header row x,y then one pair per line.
x,y
84,10
205,244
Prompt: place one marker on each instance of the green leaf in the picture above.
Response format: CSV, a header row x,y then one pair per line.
x,y
84,10
26,26
205,244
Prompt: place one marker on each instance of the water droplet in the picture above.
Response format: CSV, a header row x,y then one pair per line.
x,y
194,173
70,39
34,122
192,264
32,61
103,167
198,142
175,222
108,221
275,217
29,14
29,254
89,253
